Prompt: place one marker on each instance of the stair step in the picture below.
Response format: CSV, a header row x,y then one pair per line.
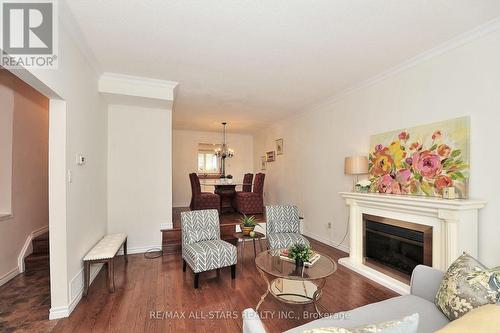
x,y
36,262
41,243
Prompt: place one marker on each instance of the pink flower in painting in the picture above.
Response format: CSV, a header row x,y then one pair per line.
x,y
409,160
436,135
395,188
444,150
378,147
442,181
427,164
403,176
404,136
384,184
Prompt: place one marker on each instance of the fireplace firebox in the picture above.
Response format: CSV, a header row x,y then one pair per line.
x,y
395,247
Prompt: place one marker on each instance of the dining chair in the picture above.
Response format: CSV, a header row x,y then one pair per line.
x,y
202,248
247,182
202,200
283,227
252,202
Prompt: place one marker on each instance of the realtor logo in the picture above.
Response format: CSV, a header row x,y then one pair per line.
x,y
28,36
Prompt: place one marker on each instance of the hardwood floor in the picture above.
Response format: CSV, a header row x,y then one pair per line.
x,y
147,288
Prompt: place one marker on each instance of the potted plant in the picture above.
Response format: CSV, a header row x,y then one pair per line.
x,y
301,253
247,224
363,186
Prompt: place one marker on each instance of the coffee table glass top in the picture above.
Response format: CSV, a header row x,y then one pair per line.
x,y
270,262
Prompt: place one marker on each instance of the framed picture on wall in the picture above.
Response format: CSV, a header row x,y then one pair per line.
x,y
270,156
279,147
263,163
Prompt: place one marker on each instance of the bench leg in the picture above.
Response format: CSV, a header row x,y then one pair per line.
x,y
86,277
125,250
111,275
183,265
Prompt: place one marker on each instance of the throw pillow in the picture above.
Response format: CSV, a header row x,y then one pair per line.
x,y
467,285
408,324
484,319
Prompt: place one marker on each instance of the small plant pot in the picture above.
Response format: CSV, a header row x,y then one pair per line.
x,y
299,263
246,230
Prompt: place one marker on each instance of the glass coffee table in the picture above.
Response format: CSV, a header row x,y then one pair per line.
x,y
291,284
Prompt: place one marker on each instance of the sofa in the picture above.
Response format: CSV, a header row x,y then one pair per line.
x,y
425,283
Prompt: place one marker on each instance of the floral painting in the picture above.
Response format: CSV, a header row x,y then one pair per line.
x,y
423,160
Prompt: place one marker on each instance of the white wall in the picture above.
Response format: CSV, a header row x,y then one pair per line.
x,y
462,81
185,159
77,124
6,116
29,151
139,174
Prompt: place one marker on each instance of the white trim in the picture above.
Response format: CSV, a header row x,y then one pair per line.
x,y
27,249
374,275
9,276
462,39
321,239
135,86
7,216
65,311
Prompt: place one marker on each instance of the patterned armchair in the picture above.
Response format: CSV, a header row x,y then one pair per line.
x,y
202,248
252,202
283,227
199,199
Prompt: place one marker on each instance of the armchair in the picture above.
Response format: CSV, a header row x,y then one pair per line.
x,y
283,227
202,248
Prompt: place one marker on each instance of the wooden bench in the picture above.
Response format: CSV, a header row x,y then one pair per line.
x,y
104,252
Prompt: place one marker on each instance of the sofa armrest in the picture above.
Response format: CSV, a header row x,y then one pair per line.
x,y
252,322
425,282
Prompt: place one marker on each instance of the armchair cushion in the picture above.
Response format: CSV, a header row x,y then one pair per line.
x,y
210,254
285,239
199,226
282,218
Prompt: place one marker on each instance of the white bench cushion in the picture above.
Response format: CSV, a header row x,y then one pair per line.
x,y
106,248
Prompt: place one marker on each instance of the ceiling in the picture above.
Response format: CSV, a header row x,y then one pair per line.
x,y
253,62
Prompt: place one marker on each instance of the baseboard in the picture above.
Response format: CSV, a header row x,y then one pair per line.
x,y
76,288
341,247
27,249
9,276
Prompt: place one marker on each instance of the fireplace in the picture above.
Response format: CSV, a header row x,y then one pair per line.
x,y
395,247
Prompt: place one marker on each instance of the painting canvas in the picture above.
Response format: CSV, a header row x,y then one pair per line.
x,y
423,160
270,156
263,163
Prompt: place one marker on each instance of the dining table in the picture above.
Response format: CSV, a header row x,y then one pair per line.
x,y
226,189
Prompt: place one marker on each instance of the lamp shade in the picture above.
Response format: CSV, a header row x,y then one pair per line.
x,y
356,165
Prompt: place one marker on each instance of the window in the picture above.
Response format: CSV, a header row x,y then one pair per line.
x,y
207,161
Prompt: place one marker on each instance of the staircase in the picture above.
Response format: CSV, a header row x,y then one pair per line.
x,y
39,259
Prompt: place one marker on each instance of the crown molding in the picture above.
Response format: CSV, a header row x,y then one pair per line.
x,y
137,87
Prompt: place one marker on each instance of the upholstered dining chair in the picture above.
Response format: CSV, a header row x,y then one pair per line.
x,y
247,182
252,202
202,248
199,199
283,227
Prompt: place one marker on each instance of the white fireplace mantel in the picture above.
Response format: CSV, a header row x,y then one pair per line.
x,y
454,228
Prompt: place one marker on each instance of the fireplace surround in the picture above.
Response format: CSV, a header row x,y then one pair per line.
x,y
454,225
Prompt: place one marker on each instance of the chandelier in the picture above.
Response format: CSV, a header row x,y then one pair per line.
x,y
224,151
